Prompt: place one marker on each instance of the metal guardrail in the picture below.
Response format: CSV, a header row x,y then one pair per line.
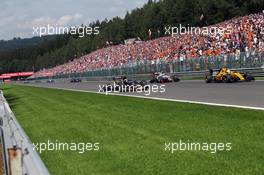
x,y
256,72
249,59
16,141
4,154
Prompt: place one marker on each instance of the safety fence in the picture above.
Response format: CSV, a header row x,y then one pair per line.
x,y
19,154
251,59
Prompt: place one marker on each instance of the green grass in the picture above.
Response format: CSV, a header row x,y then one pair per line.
x,y
259,78
132,133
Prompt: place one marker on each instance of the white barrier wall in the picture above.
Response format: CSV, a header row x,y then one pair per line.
x,y
15,139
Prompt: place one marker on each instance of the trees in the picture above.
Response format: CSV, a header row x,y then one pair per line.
x,y
37,53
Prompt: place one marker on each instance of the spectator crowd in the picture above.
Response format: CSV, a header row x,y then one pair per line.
x,y
241,35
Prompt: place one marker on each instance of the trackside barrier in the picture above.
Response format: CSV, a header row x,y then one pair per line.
x,y
4,154
256,72
21,157
183,66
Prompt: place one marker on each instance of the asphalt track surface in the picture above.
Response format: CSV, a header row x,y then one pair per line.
x,y
246,94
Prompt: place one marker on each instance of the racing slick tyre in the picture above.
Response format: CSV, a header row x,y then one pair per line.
x,y
162,81
208,79
154,81
175,79
227,79
143,83
249,78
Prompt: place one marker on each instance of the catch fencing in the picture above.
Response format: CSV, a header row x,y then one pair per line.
x,y
180,66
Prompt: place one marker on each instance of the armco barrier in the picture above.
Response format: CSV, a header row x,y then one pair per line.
x,y
21,156
4,164
182,66
256,72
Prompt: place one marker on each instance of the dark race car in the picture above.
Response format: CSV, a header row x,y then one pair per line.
x,y
50,81
76,80
160,77
122,84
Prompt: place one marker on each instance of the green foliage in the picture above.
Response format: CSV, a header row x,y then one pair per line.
x,y
132,133
154,15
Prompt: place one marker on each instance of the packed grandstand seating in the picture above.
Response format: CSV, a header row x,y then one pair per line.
x,y
247,35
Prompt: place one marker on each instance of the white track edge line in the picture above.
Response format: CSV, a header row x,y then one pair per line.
x,y
161,99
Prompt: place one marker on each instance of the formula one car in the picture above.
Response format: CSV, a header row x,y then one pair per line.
x,y
50,81
76,80
225,75
122,84
160,77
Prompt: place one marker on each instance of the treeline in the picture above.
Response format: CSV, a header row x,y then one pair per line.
x,y
153,16
18,43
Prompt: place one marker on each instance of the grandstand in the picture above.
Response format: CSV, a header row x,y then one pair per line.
x,y
246,37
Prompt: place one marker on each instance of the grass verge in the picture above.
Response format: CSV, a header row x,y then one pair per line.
x,y
132,133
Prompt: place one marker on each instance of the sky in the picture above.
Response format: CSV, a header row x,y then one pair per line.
x,y
19,17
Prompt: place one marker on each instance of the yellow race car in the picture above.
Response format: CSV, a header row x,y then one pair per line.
x,y
226,75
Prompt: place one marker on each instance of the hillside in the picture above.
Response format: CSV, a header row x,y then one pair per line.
x,y
153,15
18,43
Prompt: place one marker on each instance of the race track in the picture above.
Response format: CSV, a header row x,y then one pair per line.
x,y
248,94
